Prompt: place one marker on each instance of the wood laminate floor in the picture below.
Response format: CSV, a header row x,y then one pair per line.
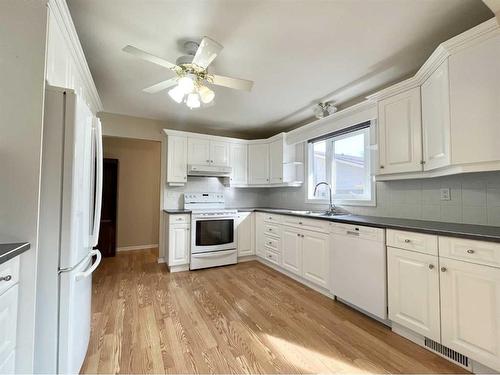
x,y
245,318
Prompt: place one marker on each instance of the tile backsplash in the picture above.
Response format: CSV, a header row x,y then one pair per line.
x,y
474,198
235,198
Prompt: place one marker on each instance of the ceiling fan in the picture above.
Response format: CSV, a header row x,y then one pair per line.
x,y
191,73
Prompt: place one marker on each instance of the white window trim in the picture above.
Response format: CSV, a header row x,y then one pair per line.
x,y
372,202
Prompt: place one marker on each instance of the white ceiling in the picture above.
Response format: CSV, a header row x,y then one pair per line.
x,y
297,52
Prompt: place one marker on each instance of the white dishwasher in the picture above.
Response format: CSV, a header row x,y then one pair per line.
x,y
359,268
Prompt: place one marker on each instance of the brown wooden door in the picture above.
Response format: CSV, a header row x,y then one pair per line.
x,y
107,232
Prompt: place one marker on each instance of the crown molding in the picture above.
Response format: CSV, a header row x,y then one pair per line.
x,y
467,39
60,12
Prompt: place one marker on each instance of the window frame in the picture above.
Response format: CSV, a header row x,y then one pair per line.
x,y
369,177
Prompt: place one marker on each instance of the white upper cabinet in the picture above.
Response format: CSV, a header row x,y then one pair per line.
x,y
413,291
470,307
475,102
198,151
203,151
177,157
276,161
400,133
219,153
258,163
436,119
238,160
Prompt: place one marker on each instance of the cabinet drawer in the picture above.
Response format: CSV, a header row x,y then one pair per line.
x,y
179,219
272,242
368,233
423,243
272,257
272,218
272,230
8,320
481,252
9,268
309,224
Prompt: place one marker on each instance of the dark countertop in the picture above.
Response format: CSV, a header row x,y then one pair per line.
x,y
175,211
11,250
470,231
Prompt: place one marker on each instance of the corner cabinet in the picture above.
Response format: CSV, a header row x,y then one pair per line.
x,y
436,119
400,133
258,164
177,157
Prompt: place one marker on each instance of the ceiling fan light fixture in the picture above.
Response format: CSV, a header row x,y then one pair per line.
x,y
206,95
186,84
177,94
193,100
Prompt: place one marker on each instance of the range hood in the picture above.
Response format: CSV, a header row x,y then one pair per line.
x,y
208,170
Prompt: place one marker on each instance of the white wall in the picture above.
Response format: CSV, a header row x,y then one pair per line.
x,y
475,199
22,71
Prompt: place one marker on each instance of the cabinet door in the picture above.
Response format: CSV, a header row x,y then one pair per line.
x,y
8,320
259,235
400,133
245,234
219,153
474,102
413,291
470,305
258,164
198,151
176,159
316,258
276,162
238,159
292,250
179,241
436,119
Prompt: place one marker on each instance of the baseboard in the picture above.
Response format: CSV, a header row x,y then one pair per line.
x,y
161,260
181,268
138,247
246,258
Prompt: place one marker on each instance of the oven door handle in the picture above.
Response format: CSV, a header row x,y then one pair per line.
x,y
204,218
216,254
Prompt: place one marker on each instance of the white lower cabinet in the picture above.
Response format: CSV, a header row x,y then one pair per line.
x,y
470,310
316,258
292,250
413,291
8,328
260,249
178,240
245,234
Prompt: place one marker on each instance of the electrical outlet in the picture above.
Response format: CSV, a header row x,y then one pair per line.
x,y
445,194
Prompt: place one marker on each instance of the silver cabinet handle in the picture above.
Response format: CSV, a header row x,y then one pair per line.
x,y
211,161
300,222
6,278
407,240
298,235
470,251
382,167
443,269
302,236
269,243
431,266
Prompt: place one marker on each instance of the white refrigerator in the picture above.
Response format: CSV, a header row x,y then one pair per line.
x,y
70,206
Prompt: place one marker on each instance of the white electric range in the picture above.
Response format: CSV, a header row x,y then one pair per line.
x,y
213,230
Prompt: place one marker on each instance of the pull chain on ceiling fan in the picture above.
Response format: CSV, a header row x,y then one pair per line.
x,y
191,74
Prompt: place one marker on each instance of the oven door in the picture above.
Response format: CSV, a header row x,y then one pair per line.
x,y
213,234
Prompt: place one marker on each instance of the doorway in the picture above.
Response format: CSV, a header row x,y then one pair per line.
x,y
137,193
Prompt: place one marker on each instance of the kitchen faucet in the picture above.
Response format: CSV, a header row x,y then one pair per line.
x,y
332,209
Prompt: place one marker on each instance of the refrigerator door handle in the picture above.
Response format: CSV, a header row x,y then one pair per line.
x,y
92,268
98,187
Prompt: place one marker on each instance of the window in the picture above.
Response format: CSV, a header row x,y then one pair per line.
x,y
343,160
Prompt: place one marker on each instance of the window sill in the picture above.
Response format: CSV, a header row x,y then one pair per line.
x,y
343,202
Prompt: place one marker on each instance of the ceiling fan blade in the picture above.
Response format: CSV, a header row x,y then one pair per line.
x,y
149,57
232,83
206,52
161,86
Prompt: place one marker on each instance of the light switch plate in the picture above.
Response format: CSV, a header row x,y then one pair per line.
x,y
445,194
